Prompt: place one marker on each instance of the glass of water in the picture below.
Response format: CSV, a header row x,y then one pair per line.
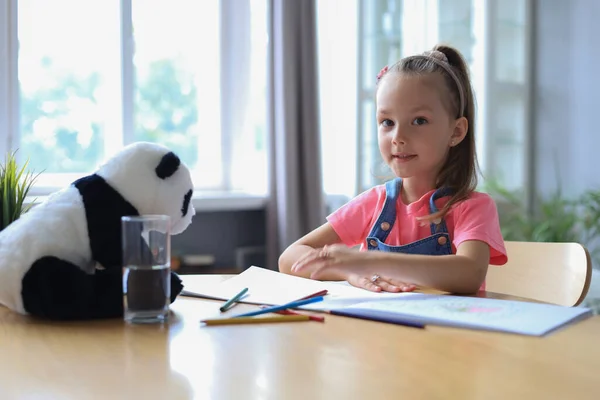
x,y
146,243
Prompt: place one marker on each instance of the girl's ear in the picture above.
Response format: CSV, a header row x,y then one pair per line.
x,y
461,127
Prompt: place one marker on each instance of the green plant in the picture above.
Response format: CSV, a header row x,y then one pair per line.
x,y
555,218
15,183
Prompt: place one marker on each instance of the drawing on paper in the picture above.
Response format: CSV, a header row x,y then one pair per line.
x,y
471,309
466,309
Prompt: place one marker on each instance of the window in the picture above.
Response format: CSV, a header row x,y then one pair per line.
x,y
90,77
493,36
337,26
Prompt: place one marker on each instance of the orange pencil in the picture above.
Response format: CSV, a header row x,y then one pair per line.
x,y
311,317
255,320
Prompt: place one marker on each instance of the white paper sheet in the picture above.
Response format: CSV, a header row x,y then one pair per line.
x,y
271,287
264,287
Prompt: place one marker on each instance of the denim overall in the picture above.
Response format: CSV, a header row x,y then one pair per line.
x,y
437,244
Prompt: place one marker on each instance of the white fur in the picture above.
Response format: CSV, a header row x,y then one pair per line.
x,y
133,175
57,227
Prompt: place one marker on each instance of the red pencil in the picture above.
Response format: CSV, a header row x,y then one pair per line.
x,y
290,312
321,293
311,317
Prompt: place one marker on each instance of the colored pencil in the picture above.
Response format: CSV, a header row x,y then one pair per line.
x,y
316,318
321,293
255,320
292,304
232,301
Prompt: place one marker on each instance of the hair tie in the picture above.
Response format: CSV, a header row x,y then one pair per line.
x,y
437,55
381,73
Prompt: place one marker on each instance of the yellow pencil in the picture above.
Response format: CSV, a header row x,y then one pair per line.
x,y
256,320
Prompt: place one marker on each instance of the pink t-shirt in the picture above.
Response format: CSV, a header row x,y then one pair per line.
x,y
475,218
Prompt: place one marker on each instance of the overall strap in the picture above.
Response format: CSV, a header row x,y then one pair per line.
x,y
438,194
387,217
440,226
392,188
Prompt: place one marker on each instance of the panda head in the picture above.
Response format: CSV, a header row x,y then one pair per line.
x,y
154,180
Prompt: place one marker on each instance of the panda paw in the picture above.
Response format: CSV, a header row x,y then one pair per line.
x,y
176,286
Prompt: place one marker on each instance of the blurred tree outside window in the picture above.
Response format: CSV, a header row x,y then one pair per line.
x,y
94,76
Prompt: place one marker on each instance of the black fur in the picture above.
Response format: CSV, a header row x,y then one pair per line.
x,y
104,207
57,289
186,203
168,165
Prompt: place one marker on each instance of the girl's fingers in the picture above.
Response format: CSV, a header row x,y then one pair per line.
x,y
364,283
404,287
306,260
309,255
387,286
369,285
392,285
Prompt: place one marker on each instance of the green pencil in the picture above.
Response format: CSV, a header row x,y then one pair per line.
x,y
229,303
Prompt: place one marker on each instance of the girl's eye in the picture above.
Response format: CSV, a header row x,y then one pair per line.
x,y
419,121
387,123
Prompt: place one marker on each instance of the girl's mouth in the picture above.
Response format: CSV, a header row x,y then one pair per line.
x,y
402,158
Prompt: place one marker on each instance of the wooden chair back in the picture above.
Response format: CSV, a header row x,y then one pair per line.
x,y
557,273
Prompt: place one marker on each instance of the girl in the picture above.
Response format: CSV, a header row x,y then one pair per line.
x,y
429,225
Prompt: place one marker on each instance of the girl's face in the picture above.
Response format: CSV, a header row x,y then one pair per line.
x,y
415,130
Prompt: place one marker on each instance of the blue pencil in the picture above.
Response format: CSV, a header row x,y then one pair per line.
x,y
234,299
292,304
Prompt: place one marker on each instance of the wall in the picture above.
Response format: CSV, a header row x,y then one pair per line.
x,y
585,63
567,89
220,234
567,86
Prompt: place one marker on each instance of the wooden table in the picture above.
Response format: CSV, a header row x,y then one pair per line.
x,y
342,358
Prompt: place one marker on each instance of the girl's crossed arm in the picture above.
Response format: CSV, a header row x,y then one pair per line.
x,y
320,255
460,273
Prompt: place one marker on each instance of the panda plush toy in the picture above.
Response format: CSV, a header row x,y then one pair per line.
x,y
62,260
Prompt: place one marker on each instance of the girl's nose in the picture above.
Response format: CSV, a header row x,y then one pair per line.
x,y
398,137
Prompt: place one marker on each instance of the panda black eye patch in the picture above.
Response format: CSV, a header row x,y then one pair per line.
x,y
186,202
168,165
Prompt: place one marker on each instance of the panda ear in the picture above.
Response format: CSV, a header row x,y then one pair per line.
x,y
168,165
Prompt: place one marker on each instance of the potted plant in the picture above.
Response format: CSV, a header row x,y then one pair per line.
x,y
15,183
556,218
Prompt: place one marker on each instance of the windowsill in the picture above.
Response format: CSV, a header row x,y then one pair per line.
x,y
209,201
227,201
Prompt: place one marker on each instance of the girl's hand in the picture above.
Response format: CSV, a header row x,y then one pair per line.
x,y
328,257
378,283
352,264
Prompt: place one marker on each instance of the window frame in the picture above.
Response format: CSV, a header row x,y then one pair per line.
x,y
9,97
230,33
